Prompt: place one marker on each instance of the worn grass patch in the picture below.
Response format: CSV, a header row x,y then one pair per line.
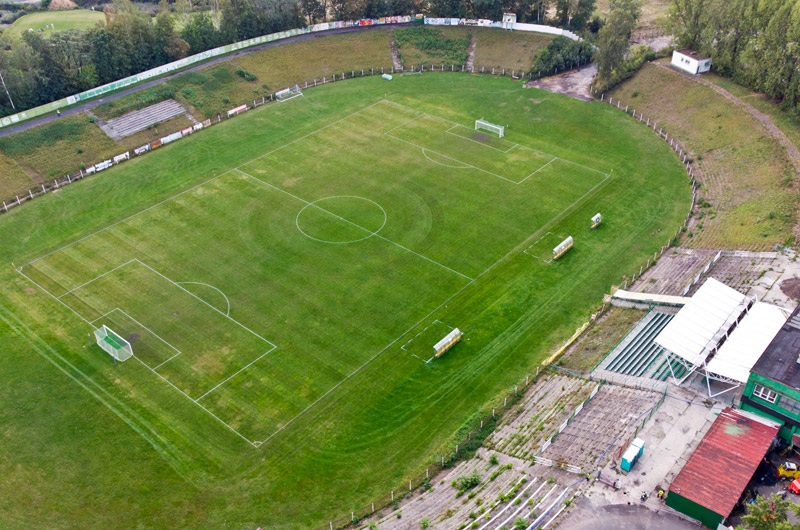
x,y
746,178
600,339
512,50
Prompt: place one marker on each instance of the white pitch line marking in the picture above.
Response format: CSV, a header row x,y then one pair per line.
x,y
228,312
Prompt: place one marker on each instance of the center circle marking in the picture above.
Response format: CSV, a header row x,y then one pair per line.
x,y
369,233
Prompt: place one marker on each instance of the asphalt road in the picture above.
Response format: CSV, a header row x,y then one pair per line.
x,y
5,131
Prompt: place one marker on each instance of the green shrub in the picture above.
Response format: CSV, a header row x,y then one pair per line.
x,y
466,482
244,74
433,42
561,54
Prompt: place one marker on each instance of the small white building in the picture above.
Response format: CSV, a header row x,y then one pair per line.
x,y
690,61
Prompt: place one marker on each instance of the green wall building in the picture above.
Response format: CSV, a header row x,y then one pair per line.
x,y
773,388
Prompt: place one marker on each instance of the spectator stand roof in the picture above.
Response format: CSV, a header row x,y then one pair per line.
x,y
719,470
700,326
738,354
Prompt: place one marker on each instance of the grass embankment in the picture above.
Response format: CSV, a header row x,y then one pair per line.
x,y
748,194
102,440
512,50
789,125
65,145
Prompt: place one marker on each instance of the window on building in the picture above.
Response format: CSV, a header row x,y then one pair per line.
x,y
789,404
765,393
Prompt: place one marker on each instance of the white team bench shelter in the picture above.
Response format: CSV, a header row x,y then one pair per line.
x,y
690,61
700,327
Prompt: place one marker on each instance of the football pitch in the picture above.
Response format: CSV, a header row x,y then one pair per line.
x,y
282,279
256,293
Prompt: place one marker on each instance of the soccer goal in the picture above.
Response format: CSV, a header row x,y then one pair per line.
x,y
488,126
288,93
117,347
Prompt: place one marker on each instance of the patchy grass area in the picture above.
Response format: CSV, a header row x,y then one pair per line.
x,y
62,20
433,45
65,145
513,50
600,339
213,91
13,179
748,191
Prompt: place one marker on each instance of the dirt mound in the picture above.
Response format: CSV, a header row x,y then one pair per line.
x,y
791,288
62,4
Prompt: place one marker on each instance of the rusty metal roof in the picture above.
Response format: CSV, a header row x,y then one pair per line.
x,y
719,469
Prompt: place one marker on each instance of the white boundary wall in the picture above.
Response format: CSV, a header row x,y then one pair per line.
x,y
230,48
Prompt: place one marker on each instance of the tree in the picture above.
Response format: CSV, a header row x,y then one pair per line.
x,y
313,10
770,514
573,14
613,39
686,18
200,33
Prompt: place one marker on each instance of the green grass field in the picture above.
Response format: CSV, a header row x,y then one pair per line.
x,y
62,20
282,279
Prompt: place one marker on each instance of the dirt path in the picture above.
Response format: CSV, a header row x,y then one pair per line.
x,y
772,129
471,52
574,83
396,62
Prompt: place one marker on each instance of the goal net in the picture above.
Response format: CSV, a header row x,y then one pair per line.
x,y
488,126
288,93
117,347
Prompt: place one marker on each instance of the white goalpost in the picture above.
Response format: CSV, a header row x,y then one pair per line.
x,y
500,130
114,345
288,93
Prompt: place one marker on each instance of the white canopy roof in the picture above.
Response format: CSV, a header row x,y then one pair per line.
x,y
701,323
747,342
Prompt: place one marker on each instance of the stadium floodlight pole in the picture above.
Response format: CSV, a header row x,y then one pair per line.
x,y
7,92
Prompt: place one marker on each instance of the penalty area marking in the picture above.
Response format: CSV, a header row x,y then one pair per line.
x,y
228,302
462,166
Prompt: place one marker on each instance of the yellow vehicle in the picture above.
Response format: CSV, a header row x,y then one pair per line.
x,y
788,471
